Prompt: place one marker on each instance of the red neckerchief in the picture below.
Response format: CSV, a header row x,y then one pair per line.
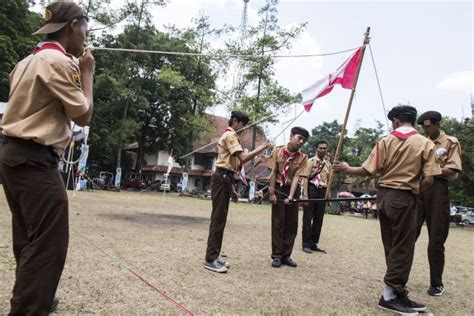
x,y
404,133
48,45
288,157
317,178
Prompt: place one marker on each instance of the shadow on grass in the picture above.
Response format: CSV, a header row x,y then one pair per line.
x,y
157,219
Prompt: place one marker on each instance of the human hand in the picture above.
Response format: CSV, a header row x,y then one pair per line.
x,y
340,166
87,62
288,200
273,198
234,196
304,203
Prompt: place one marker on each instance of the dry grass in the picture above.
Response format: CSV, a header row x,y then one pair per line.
x,y
165,241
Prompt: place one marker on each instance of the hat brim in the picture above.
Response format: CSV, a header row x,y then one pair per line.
x,y
50,28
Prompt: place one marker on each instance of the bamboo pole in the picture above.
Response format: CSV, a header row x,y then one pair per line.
x,y
348,110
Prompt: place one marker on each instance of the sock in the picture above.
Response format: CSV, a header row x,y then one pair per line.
x,y
388,293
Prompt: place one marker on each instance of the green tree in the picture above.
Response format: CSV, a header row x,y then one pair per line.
x,y
258,93
16,41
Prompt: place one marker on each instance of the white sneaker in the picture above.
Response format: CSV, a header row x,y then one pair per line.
x,y
214,266
223,263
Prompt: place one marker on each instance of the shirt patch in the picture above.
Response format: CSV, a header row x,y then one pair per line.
x,y
76,79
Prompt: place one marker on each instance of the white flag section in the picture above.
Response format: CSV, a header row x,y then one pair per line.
x,y
170,163
242,175
344,75
81,167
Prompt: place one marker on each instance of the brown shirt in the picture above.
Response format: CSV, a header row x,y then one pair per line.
x,y
401,162
227,146
448,152
45,93
315,165
298,165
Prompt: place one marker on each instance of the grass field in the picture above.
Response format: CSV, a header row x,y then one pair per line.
x,y
118,238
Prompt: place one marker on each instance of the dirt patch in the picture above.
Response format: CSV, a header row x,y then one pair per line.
x,y
118,238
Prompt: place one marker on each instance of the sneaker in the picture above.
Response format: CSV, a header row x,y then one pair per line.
x,y
289,262
214,266
412,304
436,290
307,249
276,263
54,304
395,306
223,263
316,248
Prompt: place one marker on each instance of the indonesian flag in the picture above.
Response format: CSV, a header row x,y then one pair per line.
x,y
170,162
242,175
344,75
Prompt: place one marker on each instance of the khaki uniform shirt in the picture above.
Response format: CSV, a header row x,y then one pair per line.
x,y
298,166
227,146
314,164
448,153
45,93
401,162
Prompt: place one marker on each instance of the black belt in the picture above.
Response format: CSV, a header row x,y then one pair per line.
x,y
442,180
29,143
224,171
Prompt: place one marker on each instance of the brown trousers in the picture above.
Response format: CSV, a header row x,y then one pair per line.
x,y
38,201
397,215
221,182
433,206
284,224
313,215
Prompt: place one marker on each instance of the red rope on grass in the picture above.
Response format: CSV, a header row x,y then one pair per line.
x,y
181,307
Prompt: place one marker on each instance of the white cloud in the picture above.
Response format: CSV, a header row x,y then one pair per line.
x,y
458,81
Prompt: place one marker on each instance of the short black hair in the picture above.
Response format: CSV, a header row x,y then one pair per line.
x,y
300,131
405,113
319,142
239,116
433,116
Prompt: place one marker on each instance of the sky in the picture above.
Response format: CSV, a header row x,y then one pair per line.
x,y
423,52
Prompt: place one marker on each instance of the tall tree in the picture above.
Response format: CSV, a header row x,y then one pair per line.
x,y
258,93
16,41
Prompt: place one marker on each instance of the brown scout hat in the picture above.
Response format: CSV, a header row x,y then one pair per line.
x,y
58,14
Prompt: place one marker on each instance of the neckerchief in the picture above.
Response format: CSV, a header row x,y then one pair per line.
x,y
288,157
317,178
403,132
48,45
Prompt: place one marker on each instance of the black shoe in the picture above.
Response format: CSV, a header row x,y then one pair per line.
x,y
54,304
395,306
276,263
307,249
316,248
436,290
412,304
289,262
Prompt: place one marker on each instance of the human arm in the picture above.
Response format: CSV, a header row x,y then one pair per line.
x,y
244,157
87,67
344,167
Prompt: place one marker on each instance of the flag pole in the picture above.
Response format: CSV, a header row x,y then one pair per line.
x,y
348,110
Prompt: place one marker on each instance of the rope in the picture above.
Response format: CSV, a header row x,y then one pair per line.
x,y
124,265
380,89
130,50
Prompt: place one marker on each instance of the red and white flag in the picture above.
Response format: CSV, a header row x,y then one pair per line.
x,y
344,75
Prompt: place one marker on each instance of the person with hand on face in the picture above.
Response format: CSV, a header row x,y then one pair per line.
x,y
48,89
230,159
288,164
433,204
400,158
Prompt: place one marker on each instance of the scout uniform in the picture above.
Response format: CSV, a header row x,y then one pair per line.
x,y
318,174
45,93
400,158
222,180
433,205
286,166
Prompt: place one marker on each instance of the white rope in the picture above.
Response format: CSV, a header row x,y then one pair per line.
x,y
380,89
146,51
